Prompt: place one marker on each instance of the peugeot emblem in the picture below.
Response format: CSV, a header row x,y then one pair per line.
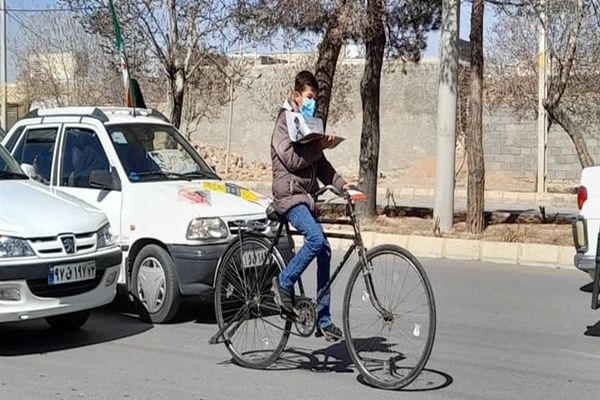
x,y
68,243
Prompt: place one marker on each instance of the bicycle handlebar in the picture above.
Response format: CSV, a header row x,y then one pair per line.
x,y
330,188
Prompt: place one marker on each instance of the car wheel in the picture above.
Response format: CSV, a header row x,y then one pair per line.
x,y
69,321
154,285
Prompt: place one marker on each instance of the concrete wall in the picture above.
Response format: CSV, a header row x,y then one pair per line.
x,y
408,126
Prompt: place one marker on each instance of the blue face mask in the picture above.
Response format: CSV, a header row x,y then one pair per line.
x,y
308,107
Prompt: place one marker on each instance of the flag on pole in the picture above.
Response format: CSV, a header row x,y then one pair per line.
x,y
130,96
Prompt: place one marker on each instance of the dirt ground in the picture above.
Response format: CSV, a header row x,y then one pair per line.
x,y
500,227
555,234
422,174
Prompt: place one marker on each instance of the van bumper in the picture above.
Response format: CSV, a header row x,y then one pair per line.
x,y
196,265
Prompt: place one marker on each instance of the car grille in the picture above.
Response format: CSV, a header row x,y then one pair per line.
x,y
234,229
52,246
40,287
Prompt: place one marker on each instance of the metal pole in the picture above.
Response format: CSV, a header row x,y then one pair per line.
x,y
3,68
443,210
229,126
542,124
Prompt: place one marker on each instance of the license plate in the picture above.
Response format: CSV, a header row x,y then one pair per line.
x,y
69,273
253,258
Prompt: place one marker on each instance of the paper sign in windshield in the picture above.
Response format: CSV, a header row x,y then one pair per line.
x,y
173,160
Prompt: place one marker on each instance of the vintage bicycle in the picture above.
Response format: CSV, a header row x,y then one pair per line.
x,y
389,315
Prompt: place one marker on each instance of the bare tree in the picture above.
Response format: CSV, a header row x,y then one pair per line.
x,y
397,29
213,85
574,54
178,35
58,64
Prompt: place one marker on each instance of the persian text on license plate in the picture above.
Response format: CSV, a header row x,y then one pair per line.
x,y
253,258
69,273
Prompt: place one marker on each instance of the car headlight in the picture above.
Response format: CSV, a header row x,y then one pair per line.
x,y
207,228
105,237
13,247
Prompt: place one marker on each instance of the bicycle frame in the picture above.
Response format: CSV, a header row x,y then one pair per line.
x,y
357,245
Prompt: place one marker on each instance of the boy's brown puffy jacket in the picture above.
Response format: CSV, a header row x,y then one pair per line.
x,y
297,167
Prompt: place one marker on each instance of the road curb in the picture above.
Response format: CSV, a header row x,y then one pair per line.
x,y
525,254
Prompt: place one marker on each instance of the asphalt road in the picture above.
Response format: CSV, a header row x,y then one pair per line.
x,y
504,332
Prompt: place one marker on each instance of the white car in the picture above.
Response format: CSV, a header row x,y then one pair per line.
x,y
586,228
172,215
58,259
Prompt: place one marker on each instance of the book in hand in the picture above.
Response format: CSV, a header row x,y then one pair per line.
x,y
303,130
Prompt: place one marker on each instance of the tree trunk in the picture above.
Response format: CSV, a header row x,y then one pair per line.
x,y
474,142
329,51
561,117
177,86
370,92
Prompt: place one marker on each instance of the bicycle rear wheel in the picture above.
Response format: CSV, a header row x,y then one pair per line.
x,y
389,352
255,333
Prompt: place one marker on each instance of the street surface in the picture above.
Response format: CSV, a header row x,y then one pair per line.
x,y
504,332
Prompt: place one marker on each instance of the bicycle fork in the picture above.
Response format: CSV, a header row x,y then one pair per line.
x,y
367,269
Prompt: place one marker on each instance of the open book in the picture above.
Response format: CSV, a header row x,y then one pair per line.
x,y
302,130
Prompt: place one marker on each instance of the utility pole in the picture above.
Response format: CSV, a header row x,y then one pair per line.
x,y
542,123
3,67
230,122
227,159
443,211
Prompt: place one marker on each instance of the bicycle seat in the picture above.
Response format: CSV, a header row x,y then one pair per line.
x,y
273,215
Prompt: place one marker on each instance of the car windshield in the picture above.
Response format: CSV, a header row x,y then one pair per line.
x,y
155,152
9,168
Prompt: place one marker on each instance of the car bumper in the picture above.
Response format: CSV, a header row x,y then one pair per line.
x,y
31,306
196,265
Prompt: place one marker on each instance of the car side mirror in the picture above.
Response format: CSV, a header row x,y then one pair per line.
x,y
105,180
28,169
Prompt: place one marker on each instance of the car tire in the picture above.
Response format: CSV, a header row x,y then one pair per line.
x,y
154,285
68,322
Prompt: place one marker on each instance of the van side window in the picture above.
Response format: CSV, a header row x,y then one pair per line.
x,y
10,144
37,149
82,153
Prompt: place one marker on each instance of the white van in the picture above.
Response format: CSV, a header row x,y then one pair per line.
x,y
172,215
586,229
58,258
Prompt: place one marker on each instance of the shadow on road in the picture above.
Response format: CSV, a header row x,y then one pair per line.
x,y
34,337
593,330
335,358
587,288
427,381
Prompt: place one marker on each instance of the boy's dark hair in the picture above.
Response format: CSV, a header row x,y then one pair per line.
x,y
304,79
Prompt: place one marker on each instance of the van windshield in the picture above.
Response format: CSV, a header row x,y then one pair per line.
x,y
9,168
155,152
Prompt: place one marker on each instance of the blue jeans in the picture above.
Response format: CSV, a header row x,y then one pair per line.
x,y
315,245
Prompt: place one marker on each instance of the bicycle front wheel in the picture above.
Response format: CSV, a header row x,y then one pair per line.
x,y
254,332
389,329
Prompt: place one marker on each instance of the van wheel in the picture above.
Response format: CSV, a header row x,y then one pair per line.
x,y
69,321
154,285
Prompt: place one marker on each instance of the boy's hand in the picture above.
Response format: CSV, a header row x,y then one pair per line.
x,y
349,186
326,141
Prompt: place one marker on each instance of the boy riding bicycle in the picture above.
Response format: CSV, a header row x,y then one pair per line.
x,y
296,169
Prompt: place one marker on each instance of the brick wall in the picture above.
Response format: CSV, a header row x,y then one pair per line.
x,y
408,129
